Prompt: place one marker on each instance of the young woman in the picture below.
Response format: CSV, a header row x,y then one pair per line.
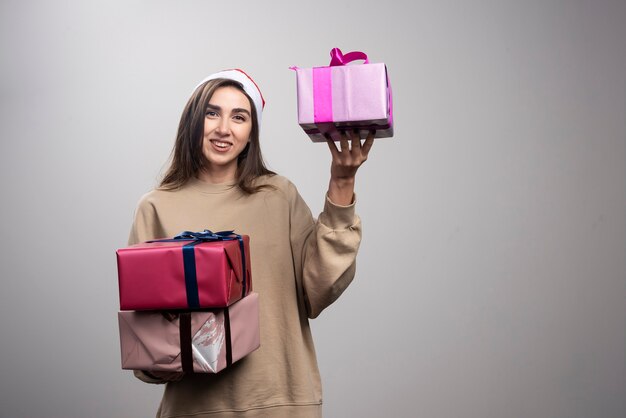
x,y
217,180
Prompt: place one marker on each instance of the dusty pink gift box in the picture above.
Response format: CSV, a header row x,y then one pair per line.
x,y
204,341
344,97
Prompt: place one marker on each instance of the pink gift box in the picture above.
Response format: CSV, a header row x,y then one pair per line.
x,y
199,341
183,274
341,97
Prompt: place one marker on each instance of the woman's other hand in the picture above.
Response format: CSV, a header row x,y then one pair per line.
x,y
166,376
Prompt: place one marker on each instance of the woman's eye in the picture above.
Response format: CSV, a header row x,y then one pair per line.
x,y
240,118
211,113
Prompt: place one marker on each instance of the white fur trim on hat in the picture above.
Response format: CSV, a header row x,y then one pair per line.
x,y
249,87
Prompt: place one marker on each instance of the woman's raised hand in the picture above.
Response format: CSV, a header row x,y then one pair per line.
x,y
345,163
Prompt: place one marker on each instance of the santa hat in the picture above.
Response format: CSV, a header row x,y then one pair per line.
x,y
249,86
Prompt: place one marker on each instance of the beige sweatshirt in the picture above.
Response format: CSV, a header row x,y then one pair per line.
x,y
299,267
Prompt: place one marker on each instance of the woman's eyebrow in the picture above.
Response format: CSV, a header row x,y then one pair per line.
x,y
241,110
235,110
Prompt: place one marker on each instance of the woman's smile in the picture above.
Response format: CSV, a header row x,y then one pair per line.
x,y
221,146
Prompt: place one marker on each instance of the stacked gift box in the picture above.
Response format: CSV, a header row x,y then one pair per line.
x,y
186,303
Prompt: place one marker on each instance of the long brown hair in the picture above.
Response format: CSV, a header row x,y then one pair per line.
x,y
187,158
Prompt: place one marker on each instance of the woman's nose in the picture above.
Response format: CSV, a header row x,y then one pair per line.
x,y
223,126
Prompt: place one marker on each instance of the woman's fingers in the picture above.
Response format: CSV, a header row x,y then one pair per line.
x,y
350,149
344,142
332,146
349,154
356,140
168,376
367,145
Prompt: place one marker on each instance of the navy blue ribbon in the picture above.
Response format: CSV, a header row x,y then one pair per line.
x,y
189,258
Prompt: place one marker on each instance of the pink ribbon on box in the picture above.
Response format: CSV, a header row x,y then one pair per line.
x,y
339,58
322,95
323,86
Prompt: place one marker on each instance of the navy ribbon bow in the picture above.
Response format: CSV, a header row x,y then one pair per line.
x,y
207,235
189,258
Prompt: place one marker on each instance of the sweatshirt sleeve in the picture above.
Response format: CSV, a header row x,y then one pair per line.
x,y
324,251
145,227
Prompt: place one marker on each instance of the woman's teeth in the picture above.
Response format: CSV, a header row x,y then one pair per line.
x,y
221,144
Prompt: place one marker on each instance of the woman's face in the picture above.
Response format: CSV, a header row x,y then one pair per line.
x,y
227,128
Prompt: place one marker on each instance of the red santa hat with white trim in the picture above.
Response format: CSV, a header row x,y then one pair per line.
x,y
249,86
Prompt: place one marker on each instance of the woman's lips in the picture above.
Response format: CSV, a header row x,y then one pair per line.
x,y
221,146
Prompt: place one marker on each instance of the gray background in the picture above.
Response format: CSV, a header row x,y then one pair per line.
x,y
492,277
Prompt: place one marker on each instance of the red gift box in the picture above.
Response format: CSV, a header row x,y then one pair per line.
x,y
184,273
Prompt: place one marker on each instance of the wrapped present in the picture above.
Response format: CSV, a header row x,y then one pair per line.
x,y
193,270
200,341
344,97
